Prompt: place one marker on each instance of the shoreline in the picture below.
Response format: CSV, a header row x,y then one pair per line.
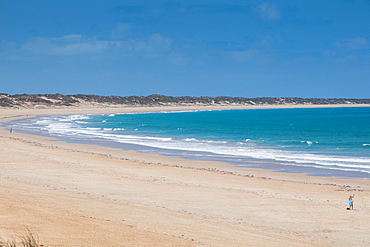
x,y
251,164
165,201
157,158
32,112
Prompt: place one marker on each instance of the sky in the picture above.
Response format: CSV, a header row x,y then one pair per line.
x,y
238,48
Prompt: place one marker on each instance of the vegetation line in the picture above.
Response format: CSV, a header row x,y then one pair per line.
x,y
79,100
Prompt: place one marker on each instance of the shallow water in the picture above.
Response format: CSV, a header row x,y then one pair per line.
x,y
319,141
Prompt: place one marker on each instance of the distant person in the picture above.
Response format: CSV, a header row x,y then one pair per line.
x,y
350,202
11,130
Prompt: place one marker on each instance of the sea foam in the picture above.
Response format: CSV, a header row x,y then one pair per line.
x,y
235,136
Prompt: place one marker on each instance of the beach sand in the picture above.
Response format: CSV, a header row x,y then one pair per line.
x,y
85,195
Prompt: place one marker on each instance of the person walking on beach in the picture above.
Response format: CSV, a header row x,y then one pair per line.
x,y
350,202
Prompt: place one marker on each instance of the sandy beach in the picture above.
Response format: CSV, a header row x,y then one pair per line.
x,y
85,195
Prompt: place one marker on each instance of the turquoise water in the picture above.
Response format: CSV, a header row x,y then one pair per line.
x,y
318,141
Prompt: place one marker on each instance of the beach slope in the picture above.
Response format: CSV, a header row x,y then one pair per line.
x,y
84,195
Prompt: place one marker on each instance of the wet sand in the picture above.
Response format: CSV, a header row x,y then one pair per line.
x,y
85,195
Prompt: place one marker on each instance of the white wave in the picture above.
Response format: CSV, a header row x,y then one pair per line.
x,y
72,117
217,147
293,158
202,141
212,141
190,139
96,132
251,151
72,126
44,122
309,143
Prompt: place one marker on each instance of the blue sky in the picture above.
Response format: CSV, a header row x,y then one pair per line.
x,y
306,48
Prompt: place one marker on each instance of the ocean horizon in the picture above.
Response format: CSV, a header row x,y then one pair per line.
x,y
331,142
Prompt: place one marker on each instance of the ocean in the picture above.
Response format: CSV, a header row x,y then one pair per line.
x,y
331,142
